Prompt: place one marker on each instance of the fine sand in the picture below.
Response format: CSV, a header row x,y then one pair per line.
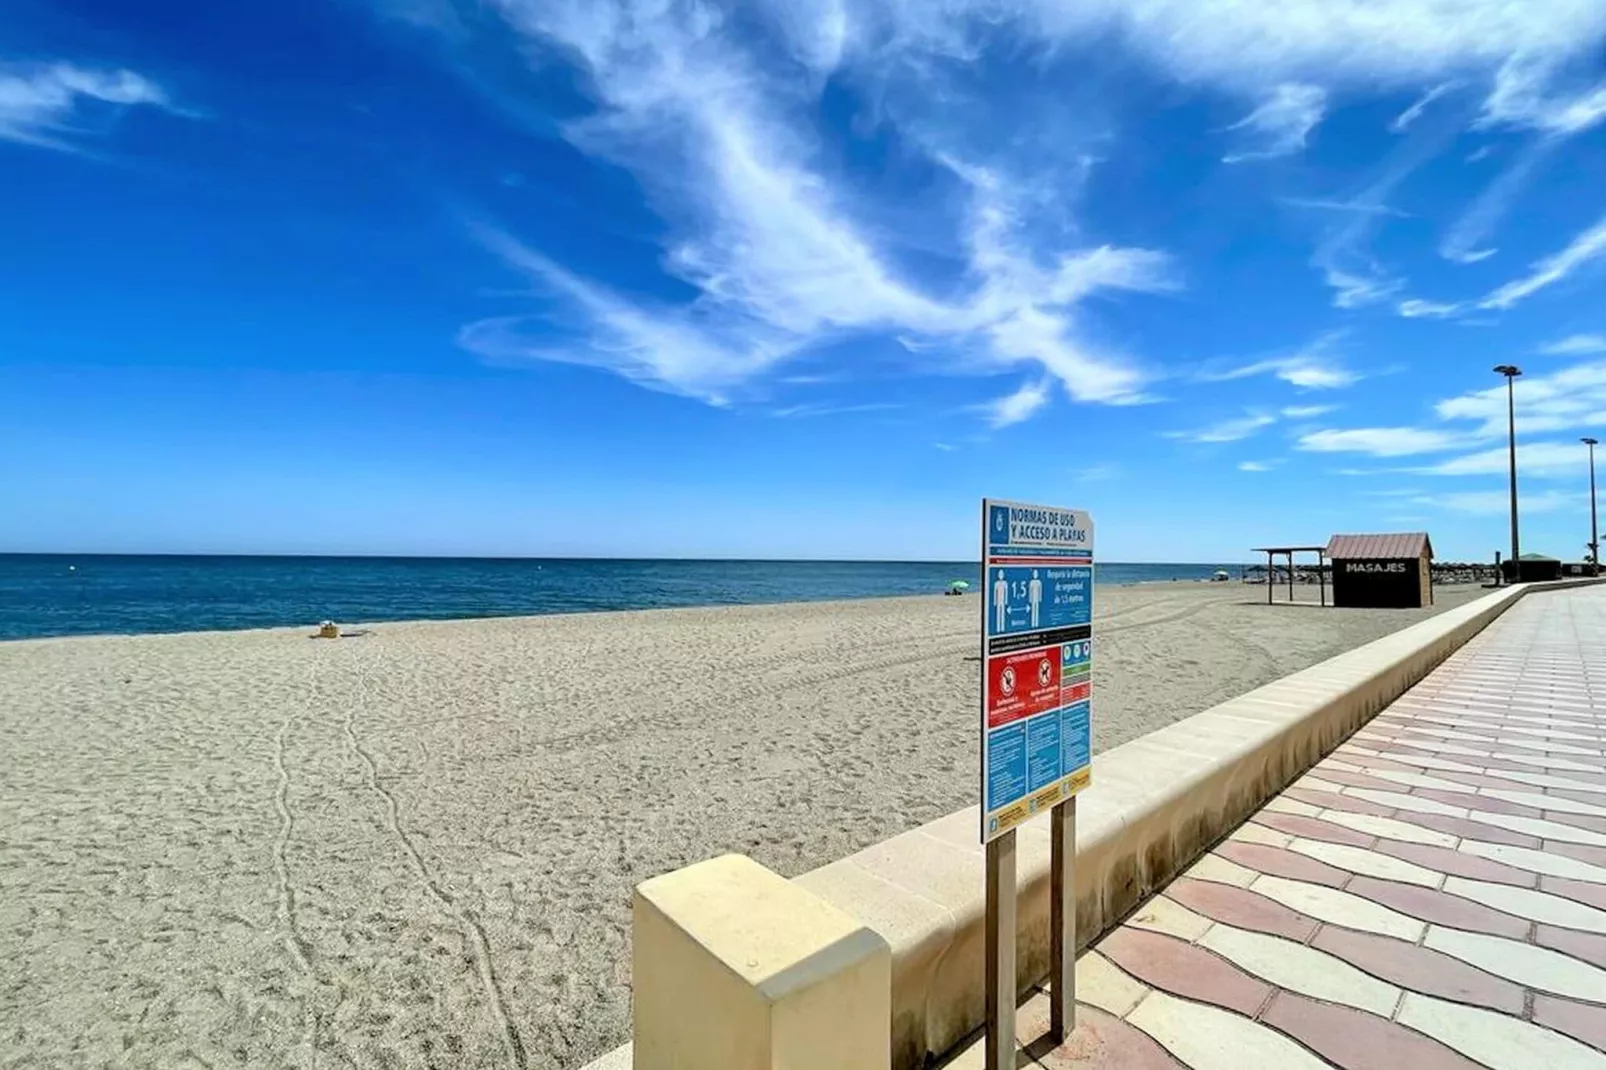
x,y
416,848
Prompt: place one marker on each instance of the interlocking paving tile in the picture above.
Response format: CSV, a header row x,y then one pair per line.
x,y
1316,828
1103,1042
1538,968
1460,862
1441,908
1530,904
1356,1040
1421,969
1497,1041
1283,863
1586,946
1581,1021
1588,892
1164,914
1389,828
1298,968
1340,908
1184,969
1243,908
1368,863
1326,800
1207,1038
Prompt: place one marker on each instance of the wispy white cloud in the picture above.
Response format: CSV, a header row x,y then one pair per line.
x,y
1498,502
1537,459
1316,367
1023,404
1573,398
777,251
1233,430
1463,242
660,347
1357,207
1380,441
813,411
1281,124
1259,466
1587,246
1414,112
1098,473
1526,94
43,105
1576,345
1307,412
1419,309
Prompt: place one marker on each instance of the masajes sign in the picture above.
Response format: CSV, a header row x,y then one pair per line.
x,y
1037,660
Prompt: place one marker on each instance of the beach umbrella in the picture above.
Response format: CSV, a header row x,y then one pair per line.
x,y
959,585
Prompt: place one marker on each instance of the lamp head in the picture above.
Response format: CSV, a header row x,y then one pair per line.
x,y
1590,441
1510,371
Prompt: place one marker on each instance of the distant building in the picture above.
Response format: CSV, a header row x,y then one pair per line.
x,y
1536,568
1382,571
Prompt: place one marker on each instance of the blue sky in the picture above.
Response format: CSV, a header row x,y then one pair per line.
x,y
795,279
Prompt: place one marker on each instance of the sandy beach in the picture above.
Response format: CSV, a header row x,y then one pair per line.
x,y
415,848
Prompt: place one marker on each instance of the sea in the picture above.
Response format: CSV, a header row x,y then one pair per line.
x,y
78,594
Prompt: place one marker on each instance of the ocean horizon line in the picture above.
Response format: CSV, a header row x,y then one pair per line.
x,y
188,555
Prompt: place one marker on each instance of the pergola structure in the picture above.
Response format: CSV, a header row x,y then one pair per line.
x,y
1289,552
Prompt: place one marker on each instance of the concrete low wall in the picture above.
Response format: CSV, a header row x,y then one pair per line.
x,y
1156,804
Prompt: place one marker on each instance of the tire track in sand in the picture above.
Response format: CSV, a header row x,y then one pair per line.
x,y
465,916
287,824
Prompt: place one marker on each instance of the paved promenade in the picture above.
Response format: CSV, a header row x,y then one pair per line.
x,y
1431,896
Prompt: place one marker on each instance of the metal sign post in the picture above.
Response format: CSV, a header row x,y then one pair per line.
x,y
1036,739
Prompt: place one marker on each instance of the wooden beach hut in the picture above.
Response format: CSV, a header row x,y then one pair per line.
x,y
1382,571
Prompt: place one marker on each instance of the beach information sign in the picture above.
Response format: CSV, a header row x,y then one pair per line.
x,y
1037,660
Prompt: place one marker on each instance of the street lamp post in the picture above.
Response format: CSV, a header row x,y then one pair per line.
x,y
1511,371
1594,522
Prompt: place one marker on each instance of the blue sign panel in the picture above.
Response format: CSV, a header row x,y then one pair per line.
x,y
1006,765
1037,619
1023,598
1076,735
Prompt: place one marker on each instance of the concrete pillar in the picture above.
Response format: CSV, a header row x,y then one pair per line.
x,y
737,968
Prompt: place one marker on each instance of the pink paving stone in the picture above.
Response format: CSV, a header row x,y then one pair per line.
x,y
1312,827
1583,852
1438,907
1421,969
1366,761
1587,946
1524,717
1357,1040
1329,801
1184,969
1593,798
1101,1042
1581,821
1281,863
1581,1021
1231,905
1356,780
1488,804
1473,830
1579,891
1457,863
1481,780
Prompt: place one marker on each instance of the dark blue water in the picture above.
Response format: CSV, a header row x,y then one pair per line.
x,y
46,594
